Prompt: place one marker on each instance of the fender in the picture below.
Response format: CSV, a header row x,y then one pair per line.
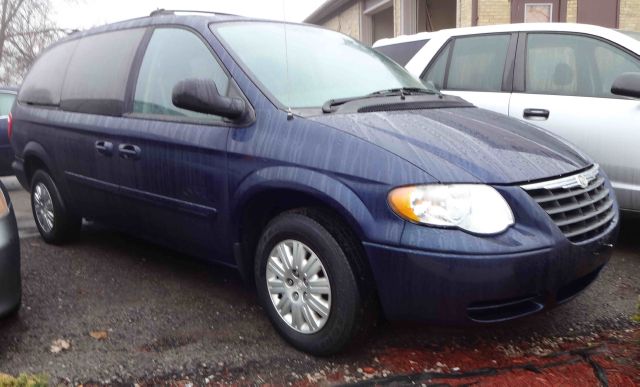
x,y
324,188
319,185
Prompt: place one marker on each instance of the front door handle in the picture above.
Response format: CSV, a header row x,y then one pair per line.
x,y
104,148
536,114
129,151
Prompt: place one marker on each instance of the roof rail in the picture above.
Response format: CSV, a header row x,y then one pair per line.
x,y
162,11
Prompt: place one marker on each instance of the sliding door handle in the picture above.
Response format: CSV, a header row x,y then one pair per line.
x,y
104,148
129,151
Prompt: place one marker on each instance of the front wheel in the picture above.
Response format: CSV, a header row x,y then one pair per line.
x,y
54,220
307,286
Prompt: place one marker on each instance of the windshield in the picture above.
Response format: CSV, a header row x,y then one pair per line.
x,y
6,102
635,35
323,64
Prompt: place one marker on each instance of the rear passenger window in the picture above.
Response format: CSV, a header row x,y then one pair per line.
x,y
97,76
477,63
43,84
574,65
174,55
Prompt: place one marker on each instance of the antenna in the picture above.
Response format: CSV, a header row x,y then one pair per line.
x,y
286,58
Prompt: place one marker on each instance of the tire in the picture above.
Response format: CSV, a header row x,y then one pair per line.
x,y
55,222
344,301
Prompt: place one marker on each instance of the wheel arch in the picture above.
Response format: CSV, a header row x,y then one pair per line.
x,y
35,157
271,191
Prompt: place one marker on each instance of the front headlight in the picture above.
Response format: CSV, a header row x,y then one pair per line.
x,y
476,208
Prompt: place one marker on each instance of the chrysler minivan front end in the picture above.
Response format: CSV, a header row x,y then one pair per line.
x,y
476,253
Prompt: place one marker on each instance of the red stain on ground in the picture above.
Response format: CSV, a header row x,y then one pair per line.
x,y
613,358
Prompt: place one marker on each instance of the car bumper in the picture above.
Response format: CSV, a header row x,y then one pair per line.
x,y
10,286
484,288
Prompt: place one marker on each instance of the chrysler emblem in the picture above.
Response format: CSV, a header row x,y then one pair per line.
x,y
582,181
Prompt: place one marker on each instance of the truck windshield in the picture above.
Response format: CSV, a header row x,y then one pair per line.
x,y
322,64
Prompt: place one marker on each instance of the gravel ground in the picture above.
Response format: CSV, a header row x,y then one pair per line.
x,y
168,317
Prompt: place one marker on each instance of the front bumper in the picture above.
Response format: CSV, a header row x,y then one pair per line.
x,y
10,286
483,288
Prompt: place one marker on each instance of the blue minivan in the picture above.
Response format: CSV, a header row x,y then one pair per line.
x,y
320,169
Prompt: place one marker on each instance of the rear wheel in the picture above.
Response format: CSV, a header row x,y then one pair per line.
x,y
307,284
54,221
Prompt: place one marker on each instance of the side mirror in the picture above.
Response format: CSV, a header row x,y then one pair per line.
x,y
201,96
627,85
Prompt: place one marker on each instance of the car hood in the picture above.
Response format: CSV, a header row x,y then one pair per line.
x,y
464,144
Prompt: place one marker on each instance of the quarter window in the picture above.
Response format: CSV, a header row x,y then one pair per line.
x,y
477,63
435,74
574,65
174,55
97,76
43,84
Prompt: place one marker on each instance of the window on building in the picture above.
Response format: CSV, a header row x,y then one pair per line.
x,y
435,15
383,24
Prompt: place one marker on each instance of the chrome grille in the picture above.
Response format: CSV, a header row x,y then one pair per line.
x,y
580,205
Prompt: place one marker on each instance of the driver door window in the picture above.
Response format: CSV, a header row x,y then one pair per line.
x,y
473,67
174,55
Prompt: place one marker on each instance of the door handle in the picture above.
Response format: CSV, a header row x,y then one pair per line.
x,y
536,114
104,148
129,151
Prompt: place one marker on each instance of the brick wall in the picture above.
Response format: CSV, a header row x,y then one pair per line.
x,y
347,21
464,13
397,27
494,12
572,11
630,15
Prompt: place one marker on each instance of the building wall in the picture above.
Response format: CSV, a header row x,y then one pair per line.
x,y
630,15
397,16
494,12
465,13
347,21
572,11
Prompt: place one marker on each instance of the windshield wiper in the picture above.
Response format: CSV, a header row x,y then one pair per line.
x,y
404,91
328,106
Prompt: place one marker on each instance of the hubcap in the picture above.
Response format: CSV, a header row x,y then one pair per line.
x,y
43,206
299,286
